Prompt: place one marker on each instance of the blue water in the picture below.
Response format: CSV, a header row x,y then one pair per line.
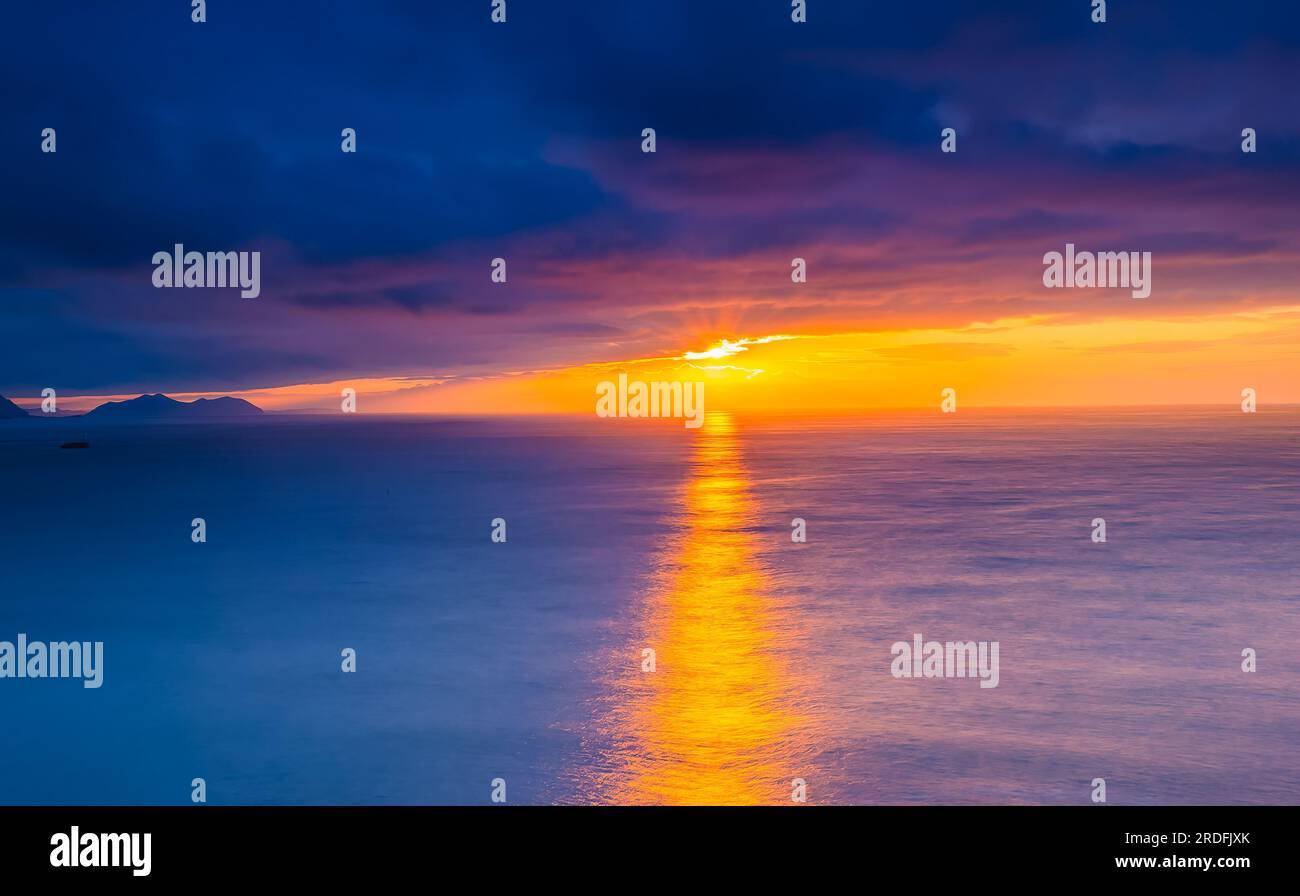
x,y
520,660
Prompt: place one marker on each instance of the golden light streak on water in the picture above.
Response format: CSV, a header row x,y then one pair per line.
x,y
715,723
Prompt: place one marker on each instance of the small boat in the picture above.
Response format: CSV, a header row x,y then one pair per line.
x,y
75,445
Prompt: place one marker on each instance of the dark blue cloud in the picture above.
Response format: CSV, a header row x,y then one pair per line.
x,y
478,138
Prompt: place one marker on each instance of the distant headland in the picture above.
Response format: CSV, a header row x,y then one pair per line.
x,y
152,407
9,410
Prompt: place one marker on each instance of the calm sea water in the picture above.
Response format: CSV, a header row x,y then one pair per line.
x,y
523,660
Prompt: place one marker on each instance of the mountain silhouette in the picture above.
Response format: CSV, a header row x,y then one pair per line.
x,y
160,407
8,409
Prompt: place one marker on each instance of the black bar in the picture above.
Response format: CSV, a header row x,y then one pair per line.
x,y
619,847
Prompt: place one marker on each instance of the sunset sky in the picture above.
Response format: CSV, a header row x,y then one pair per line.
x,y
775,141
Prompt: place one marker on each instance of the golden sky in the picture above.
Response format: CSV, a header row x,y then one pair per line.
x,y
1043,361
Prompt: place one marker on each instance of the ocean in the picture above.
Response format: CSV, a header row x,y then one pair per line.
x,y
525,661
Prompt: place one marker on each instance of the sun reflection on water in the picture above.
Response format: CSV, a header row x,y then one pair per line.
x,y
715,723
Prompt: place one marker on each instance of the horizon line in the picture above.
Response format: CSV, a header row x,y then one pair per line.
x,y
740,412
